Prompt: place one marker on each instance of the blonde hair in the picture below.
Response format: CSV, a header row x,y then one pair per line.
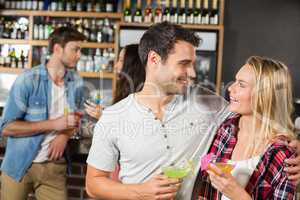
x,y
272,102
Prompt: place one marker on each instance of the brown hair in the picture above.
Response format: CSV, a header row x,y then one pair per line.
x,y
63,35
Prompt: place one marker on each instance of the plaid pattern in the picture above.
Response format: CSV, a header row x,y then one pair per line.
x,y
268,181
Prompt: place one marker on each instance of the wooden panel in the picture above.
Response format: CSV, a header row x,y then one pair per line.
x,y
84,44
105,75
13,41
10,70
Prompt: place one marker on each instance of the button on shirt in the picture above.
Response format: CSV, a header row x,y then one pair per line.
x,y
129,133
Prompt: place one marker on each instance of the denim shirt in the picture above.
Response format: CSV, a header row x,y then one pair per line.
x,y
29,100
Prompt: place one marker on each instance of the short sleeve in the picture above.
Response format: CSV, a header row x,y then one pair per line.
x,y
103,153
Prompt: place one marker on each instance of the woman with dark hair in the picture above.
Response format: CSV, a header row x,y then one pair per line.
x,y
131,72
131,77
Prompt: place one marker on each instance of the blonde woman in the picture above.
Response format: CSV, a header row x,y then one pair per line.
x,y
254,139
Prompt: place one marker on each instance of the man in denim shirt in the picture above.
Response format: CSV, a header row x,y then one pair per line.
x,y
38,120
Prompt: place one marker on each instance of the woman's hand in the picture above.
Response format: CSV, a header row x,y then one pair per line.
x,y
93,110
226,184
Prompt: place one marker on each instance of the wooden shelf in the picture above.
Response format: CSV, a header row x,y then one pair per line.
x,y
10,70
94,45
189,26
102,74
13,41
60,14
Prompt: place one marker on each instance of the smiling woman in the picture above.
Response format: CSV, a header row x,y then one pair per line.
x,y
254,137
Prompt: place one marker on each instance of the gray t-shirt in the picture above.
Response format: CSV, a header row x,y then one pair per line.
x,y
129,133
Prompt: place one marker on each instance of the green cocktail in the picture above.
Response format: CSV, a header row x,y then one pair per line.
x,y
176,172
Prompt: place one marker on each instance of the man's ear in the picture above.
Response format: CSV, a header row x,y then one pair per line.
x,y
57,49
153,58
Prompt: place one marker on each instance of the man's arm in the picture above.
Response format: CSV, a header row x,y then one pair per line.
x,y
100,186
26,128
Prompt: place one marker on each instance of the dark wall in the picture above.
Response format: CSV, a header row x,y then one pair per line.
x,y
262,27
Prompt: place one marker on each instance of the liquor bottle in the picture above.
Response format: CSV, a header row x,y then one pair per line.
x,y
7,4
197,13
13,58
19,4
138,13
23,5
79,6
34,4
174,15
190,15
109,6
2,4
214,16
13,30
41,31
166,13
53,5
28,5
93,31
68,5
182,14
7,59
21,60
98,6
35,31
41,5
13,4
2,59
127,12
89,6
157,12
86,30
1,27
148,12
61,5
205,13
99,32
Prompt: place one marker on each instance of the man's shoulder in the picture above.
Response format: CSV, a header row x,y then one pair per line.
x,y
121,108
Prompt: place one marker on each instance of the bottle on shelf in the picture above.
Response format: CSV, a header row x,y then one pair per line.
x,y
54,5
190,14
28,5
174,15
214,14
13,58
69,5
61,5
182,13
127,12
7,59
21,60
138,12
93,35
99,31
109,6
157,12
148,12
2,58
205,13
89,6
35,5
79,6
197,13
40,5
166,13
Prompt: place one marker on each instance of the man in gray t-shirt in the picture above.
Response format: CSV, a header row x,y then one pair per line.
x,y
161,125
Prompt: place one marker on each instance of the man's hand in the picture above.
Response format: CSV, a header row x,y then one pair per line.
x,y
71,120
158,187
57,147
293,168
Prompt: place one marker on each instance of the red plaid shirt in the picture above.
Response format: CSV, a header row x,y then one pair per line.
x,y
268,181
